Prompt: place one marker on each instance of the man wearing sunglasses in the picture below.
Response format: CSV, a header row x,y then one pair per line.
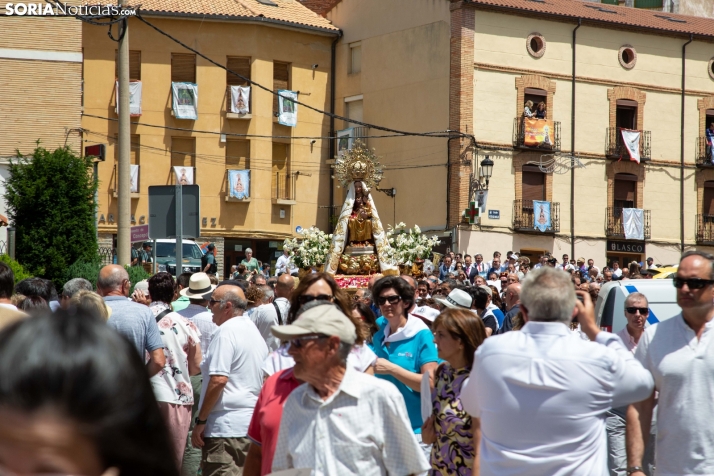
x,y
343,421
680,354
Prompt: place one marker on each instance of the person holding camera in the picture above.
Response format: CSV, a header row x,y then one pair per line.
x,y
541,395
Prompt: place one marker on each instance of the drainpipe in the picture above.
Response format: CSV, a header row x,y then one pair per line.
x,y
448,182
572,149
331,226
681,152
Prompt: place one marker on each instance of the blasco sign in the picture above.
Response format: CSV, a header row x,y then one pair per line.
x,y
626,246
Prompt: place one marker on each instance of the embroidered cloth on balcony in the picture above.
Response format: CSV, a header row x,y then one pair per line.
x,y
631,140
287,109
240,99
185,100
633,221
538,133
184,175
134,172
134,98
239,184
541,215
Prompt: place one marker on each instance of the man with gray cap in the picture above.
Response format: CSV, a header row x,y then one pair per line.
x,y
340,421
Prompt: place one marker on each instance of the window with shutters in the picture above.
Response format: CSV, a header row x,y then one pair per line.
x,y
241,65
281,80
183,68
355,57
135,148
183,154
134,65
625,192
708,201
237,154
280,183
532,186
353,110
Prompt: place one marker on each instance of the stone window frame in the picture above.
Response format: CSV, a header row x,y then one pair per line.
x,y
519,160
621,60
710,67
625,167
531,51
537,82
633,94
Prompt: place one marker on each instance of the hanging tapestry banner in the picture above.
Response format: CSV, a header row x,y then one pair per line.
x,y
134,172
239,184
633,220
541,215
184,175
631,141
134,98
240,99
185,100
538,133
287,109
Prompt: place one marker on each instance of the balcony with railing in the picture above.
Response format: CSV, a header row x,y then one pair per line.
x,y
615,228
703,153
346,138
537,138
705,230
615,146
284,189
524,217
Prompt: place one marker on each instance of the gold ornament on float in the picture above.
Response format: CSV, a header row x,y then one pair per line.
x,y
359,164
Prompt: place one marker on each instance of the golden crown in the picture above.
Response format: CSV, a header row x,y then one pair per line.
x,y
359,163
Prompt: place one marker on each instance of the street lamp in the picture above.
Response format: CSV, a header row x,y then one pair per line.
x,y
486,169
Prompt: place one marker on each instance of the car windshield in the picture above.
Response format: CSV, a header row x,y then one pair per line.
x,y
190,250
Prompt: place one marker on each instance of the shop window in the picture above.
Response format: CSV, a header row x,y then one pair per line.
x,y
281,80
183,68
625,193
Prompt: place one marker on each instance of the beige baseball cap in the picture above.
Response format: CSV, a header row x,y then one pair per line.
x,y
326,319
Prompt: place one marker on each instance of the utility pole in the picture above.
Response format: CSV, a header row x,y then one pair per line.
x,y
123,170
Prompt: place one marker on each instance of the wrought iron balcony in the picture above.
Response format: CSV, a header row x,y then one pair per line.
x,y
284,188
346,138
524,218
615,229
615,147
704,153
522,140
705,229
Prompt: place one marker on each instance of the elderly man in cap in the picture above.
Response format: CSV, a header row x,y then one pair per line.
x,y
340,421
231,383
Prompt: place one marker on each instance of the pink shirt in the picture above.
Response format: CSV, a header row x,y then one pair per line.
x,y
265,424
627,339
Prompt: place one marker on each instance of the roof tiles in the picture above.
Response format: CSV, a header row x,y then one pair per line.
x,y
599,12
286,11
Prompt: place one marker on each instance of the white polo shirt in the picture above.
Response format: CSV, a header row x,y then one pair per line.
x,y
683,370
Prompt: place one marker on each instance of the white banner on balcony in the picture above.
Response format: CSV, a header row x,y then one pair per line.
x,y
240,99
633,221
541,215
239,184
631,139
184,175
134,98
185,100
134,172
287,109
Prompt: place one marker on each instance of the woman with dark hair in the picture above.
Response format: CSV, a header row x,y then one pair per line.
x,y
34,305
457,335
365,313
404,344
172,385
82,404
322,288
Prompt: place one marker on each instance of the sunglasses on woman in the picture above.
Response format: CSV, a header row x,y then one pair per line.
x,y
306,298
382,300
692,283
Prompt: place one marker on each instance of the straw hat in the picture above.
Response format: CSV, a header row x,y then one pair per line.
x,y
198,286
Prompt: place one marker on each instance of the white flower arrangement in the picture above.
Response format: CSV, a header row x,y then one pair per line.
x,y
310,249
409,245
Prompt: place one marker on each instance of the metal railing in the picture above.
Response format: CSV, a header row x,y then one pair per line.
x,y
703,153
615,147
519,136
524,217
106,255
615,229
358,133
705,229
284,186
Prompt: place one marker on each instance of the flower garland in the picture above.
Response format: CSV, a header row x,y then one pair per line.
x,y
409,245
309,250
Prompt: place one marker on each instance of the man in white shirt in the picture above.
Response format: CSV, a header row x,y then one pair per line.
x,y
541,394
275,313
283,265
680,354
636,312
340,422
650,263
565,265
232,380
616,270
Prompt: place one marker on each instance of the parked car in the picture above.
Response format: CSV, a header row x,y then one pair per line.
x,y
610,306
166,256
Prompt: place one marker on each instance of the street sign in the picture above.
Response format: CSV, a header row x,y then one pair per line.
x,y
494,214
139,233
162,211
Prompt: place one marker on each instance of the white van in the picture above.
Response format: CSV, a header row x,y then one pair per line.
x,y
610,305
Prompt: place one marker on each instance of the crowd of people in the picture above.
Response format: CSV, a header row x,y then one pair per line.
x,y
453,374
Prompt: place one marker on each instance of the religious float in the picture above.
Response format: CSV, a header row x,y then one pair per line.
x,y
360,247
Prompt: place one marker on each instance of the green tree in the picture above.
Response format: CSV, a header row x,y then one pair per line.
x,y
50,201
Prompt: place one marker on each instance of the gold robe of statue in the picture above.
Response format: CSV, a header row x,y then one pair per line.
x,y
360,226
